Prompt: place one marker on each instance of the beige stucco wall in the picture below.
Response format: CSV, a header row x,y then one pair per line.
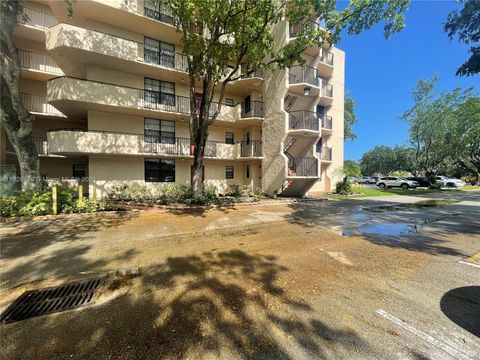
x,y
275,123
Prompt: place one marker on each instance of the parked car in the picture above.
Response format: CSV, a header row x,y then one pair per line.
x,y
447,182
421,180
352,179
394,181
366,180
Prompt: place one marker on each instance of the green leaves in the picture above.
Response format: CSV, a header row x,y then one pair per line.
x,y
350,118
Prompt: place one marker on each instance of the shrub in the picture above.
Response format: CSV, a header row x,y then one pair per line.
x,y
238,191
8,205
343,187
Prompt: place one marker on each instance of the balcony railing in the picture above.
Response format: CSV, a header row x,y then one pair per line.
x,y
302,26
303,74
165,58
327,57
95,141
326,154
38,104
327,123
158,10
36,18
327,90
247,73
37,61
155,100
303,120
252,148
307,166
252,109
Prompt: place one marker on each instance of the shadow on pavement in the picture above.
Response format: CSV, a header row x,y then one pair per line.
x,y
227,304
462,306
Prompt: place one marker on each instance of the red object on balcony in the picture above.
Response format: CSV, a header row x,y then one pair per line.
x,y
192,149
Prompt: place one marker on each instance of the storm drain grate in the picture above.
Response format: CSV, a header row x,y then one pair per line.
x,y
50,300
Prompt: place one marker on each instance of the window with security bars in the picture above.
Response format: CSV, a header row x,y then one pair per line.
x,y
229,172
229,138
229,102
79,171
159,170
159,131
158,52
159,92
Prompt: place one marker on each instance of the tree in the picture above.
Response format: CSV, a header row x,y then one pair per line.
x,y
432,125
220,35
349,118
385,160
466,136
15,119
466,25
352,168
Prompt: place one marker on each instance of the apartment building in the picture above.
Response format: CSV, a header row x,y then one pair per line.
x,y
109,91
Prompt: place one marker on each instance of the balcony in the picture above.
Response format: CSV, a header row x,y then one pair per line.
x,y
158,11
38,105
325,63
74,48
326,95
38,66
32,23
251,149
252,110
304,122
76,141
327,124
304,80
326,154
303,26
40,143
303,167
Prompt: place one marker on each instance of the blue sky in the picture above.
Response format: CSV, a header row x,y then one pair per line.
x,y
380,74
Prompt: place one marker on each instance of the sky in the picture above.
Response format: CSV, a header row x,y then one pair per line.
x,y
380,74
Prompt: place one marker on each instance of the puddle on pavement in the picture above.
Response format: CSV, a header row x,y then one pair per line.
x,y
413,206
389,229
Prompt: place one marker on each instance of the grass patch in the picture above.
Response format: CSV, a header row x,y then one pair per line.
x,y
367,192
470,188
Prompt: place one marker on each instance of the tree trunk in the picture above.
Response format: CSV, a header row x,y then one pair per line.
x,y
197,180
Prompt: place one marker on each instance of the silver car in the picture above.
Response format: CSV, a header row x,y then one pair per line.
x,y
394,181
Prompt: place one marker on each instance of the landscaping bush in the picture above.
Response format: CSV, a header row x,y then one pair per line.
x,y
238,191
35,203
343,187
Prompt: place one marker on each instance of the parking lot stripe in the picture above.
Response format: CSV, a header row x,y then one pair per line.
x,y
439,344
469,263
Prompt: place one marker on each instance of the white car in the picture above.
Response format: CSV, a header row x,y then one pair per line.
x,y
447,182
394,181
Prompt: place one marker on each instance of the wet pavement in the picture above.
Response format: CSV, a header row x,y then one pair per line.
x,y
266,282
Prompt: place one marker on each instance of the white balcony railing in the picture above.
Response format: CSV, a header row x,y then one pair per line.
x,y
39,62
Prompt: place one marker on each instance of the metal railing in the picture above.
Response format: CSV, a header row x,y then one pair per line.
x,y
37,18
37,61
327,123
247,73
252,109
327,90
302,26
299,74
165,58
38,104
40,143
327,57
158,11
303,120
307,166
326,154
149,144
252,148
155,100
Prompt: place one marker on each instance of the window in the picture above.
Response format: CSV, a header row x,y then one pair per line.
x,y
318,146
159,92
158,52
79,170
229,173
230,102
159,131
229,138
159,170
248,172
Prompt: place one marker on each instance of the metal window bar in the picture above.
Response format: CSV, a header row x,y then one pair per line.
x,y
245,72
327,90
158,11
301,25
327,122
327,57
165,58
37,61
303,120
